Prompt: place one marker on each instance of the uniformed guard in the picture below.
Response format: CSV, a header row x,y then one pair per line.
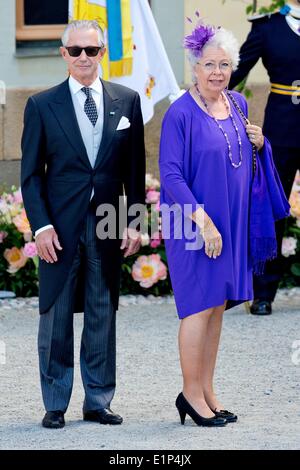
x,y
275,38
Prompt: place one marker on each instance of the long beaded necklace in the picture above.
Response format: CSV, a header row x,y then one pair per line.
x,y
235,165
246,122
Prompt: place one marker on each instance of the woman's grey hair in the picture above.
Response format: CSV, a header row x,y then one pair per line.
x,y
82,25
223,39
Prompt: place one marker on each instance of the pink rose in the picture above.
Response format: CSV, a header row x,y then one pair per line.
x,y
27,236
295,204
151,183
30,250
155,241
3,235
10,198
289,246
18,197
152,197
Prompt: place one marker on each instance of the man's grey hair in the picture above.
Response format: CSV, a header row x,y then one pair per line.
x,y
82,25
222,39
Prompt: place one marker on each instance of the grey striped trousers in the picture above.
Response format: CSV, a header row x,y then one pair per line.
x,y
98,341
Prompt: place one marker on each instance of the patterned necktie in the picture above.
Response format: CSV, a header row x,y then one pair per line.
x,y
90,108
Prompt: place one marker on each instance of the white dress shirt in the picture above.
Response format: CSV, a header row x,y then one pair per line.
x,y
78,99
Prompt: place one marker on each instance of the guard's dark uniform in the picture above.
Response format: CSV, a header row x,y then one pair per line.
x,y
272,39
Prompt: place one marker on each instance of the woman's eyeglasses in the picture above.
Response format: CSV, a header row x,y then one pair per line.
x,y
211,66
91,51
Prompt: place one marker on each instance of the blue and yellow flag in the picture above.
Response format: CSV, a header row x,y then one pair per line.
x,y
114,18
120,37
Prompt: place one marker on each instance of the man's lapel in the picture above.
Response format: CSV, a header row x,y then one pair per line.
x,y
63,108
112,116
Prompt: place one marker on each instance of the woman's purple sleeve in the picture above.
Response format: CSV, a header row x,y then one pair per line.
x,y
171,162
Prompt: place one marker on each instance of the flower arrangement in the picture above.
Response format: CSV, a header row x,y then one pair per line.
x,y
18,255
143,273
291,241
146,272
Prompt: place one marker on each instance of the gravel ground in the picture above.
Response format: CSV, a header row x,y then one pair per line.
x,y
257,377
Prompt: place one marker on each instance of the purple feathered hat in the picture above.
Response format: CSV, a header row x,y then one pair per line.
x,y
199,37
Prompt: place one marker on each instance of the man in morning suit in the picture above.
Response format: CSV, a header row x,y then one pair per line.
x,y
82,146
275,38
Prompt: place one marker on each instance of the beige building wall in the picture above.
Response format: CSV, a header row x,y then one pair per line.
x,y
231,15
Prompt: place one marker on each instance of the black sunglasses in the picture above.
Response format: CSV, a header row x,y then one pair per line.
x,y
91,51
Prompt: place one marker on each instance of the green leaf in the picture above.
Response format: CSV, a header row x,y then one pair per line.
x,y
295,269
295,230
248,93
127,268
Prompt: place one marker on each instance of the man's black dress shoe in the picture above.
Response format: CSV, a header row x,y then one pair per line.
x,y
103,416
261,307
54,419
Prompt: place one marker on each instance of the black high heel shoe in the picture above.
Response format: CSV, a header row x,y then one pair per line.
x,y
184,408
230,417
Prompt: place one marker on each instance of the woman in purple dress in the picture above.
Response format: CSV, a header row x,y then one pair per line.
x,y
208,158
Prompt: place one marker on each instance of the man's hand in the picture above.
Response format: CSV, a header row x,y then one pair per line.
x,y
46,242
131,242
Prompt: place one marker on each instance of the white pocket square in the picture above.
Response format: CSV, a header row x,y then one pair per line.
x,y
123,124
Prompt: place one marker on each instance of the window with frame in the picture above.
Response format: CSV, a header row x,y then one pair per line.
x,y
40,19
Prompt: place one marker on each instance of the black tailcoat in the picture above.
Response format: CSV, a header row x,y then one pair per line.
x,y
57,177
